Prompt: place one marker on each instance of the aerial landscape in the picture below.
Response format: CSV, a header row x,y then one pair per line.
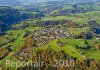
x,y
49,34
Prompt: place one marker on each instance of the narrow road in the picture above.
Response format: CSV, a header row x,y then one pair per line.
x,y
76,52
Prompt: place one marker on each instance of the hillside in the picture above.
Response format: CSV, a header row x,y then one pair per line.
x,y
10,15
52,35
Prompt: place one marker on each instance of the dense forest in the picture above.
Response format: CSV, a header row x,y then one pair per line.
x,y
10,15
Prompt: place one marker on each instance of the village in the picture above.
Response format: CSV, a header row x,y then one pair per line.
x,y
42,37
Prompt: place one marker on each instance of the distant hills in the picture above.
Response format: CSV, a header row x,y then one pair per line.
x,y
25,2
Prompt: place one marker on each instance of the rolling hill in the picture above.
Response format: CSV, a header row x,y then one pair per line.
x,y
25,2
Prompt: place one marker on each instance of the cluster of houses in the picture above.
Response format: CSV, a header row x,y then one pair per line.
x,y
42,37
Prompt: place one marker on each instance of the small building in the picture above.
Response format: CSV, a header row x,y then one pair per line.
x,y
97,38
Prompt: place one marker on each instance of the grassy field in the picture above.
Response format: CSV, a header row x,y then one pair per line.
x,y
77,30
80,18
70,48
